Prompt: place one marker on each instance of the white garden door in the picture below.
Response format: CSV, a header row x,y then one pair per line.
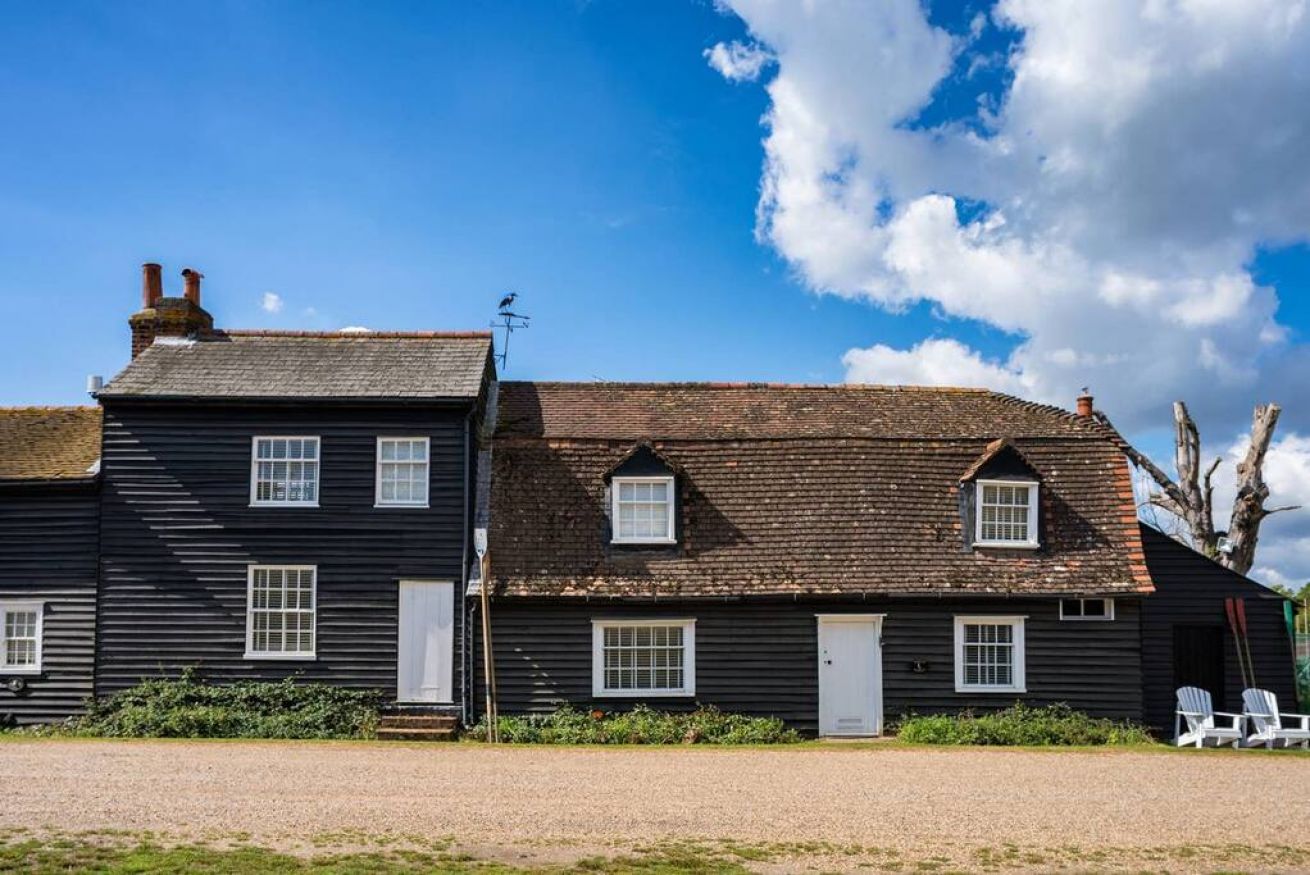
x,y
427,642
850,674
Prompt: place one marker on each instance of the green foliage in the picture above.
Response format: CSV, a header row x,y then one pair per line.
x,y
190,708
641,725
1022,725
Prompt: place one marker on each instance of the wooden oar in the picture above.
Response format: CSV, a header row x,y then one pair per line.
x,y
1231,611
1240,605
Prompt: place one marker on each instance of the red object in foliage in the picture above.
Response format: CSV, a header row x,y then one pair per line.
x,y
597,714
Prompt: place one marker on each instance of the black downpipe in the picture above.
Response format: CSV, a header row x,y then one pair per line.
x,y
466,648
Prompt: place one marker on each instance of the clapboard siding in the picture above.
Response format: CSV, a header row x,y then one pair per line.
x,y
178,535
762,657
48,554
1190,590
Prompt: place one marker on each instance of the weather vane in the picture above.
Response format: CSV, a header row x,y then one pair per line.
x,y
507,320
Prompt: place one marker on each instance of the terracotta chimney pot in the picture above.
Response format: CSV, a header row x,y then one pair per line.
x,y
152,284
191,285
1085,407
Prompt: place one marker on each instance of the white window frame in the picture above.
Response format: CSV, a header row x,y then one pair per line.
x,y
1082,618
251,653
254,469
671,528
427,467
34,607
1033,541
598,688
1018,677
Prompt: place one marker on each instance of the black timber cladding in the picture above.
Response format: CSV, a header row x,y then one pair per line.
x,y
48,554
1189,591
178,535
761,656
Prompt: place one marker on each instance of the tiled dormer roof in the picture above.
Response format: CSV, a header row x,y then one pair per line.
x,y
48,443
256,365
800,490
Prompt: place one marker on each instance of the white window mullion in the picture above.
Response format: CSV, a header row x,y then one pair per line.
x,y
641,658
281,611
1006,513
990,654
21,637
643,510
403,472
284,471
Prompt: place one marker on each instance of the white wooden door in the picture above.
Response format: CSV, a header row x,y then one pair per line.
x,y
427,641
850,674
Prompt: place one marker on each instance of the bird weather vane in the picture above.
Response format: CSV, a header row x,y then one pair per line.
x,y
507,320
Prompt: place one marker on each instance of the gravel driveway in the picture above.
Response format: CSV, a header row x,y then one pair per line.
x,y
882,796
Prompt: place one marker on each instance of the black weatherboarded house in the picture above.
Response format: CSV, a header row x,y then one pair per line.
x,y
49,518
832,555
288,504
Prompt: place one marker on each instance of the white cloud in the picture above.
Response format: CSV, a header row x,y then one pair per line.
x,y
1103,209
355,329
935,362
737,61
271,303
1140,155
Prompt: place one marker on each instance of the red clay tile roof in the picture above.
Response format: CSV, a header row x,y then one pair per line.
x,y
48,443
791,490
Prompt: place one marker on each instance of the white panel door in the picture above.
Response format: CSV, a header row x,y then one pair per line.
x,y
850,674
427,641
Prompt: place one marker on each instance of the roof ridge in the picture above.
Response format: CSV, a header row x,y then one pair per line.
x,y
48,408
352,335
713,384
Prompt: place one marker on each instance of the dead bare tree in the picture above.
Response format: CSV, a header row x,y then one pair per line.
x,y
1190,498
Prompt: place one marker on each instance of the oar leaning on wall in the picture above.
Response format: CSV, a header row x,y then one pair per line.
x,y
1235,608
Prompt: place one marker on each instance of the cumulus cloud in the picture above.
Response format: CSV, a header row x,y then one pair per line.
x,y
271,303
1104,211
934,362
738,62
1101,204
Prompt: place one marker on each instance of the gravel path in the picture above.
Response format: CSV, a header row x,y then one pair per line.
x,y
883,796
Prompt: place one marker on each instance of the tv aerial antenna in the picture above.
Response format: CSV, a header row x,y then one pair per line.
x,y
507,321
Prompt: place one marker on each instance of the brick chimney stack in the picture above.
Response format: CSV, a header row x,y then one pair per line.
x,y
162,316
1085,407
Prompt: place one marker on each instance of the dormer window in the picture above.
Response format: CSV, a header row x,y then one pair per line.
x,y
643,510
1007,514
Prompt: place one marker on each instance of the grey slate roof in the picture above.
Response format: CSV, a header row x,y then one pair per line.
x,y
268,365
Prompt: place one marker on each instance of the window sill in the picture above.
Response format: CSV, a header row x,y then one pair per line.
x,y
967,689
282,657
401,506
1008,545
1087,619
285,504
26,671
643,694
653,542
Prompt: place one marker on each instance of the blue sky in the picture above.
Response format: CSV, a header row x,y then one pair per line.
x,y
791,192
397,166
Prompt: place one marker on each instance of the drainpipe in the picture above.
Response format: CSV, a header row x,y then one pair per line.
x,y
465,658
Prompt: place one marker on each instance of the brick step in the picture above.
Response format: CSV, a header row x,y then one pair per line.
x,y
415,734
418,721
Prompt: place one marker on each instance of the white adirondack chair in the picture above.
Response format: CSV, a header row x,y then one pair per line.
x,y
1262,710
1197,709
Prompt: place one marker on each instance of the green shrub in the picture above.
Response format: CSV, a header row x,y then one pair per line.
x,y
190,708
641,725
1022,725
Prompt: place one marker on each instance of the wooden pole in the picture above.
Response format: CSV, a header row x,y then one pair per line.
x,y
488,661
